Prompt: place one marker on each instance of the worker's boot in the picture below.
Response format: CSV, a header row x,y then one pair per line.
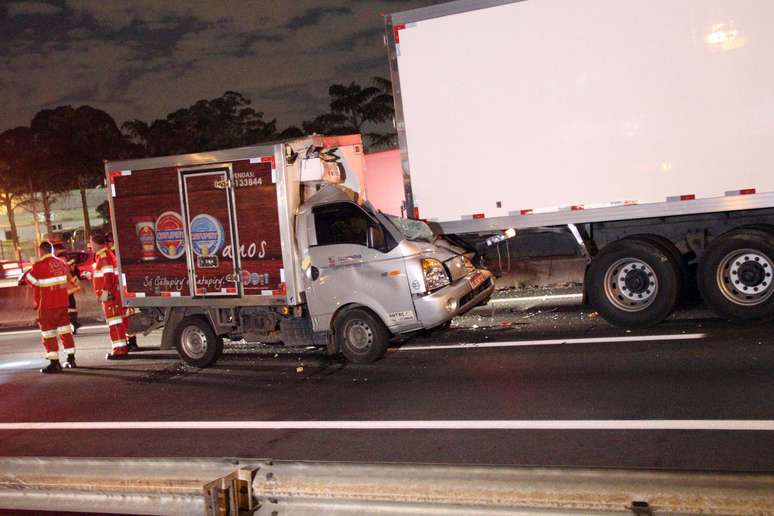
x,y
70,364
117,355
52,367
131,343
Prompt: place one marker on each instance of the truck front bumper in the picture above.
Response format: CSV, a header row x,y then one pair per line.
x,y
456,299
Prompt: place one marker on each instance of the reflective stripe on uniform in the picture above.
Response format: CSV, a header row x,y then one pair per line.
x,y
32,279
52,355
64,330
49,334
70,351
97,274
107,269
119,344
112,321
52,282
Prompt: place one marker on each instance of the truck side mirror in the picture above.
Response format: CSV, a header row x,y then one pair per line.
x,y
376,238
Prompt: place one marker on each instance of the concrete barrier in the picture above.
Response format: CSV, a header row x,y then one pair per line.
x,y
17,306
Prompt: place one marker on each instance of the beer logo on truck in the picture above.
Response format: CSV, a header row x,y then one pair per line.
x,y
206,235
169,235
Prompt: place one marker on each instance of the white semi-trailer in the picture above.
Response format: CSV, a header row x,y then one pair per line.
x,y
646,129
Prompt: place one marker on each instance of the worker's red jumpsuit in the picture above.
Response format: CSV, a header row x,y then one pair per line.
x,y
49,280
106,281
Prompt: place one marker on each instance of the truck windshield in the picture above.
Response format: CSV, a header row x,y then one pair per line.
x,y
414,230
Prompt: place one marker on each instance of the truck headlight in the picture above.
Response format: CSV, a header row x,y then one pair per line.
x,y
434,273
469,267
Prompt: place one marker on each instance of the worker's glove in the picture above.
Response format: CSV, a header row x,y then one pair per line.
x,y
106,296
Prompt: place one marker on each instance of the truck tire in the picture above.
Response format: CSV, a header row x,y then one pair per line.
x,y
735,275
633,283
361,336
689,291
196,342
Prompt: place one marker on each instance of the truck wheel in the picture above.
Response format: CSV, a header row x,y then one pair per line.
x,y
735,275
633,283
196,343
361,336
689,292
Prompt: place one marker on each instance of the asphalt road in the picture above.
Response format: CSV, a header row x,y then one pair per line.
x,y
694,368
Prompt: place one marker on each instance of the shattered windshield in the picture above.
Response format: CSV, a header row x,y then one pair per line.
x,y
414,230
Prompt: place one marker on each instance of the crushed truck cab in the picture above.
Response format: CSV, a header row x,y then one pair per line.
x,y
278,244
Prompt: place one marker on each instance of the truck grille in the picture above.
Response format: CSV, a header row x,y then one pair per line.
x,y
464,300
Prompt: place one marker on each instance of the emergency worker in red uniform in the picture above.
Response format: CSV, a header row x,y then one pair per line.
x,y
106,287
131,339
48,278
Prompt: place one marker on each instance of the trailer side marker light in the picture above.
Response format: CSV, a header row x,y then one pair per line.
x,y
230,290
478,216
526,212
578,207
394,273
416,212
284,310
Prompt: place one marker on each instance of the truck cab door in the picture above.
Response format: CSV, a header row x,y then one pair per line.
x,y
351,261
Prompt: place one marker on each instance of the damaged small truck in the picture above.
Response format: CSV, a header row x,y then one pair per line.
x,y
277,243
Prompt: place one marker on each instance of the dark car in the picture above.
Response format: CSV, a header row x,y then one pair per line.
x,y
84,261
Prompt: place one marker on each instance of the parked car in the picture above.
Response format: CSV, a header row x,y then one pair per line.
x,y
11,271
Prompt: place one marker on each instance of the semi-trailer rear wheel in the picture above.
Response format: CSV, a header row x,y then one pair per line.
x,y
736,273
361,336
196,342
633,283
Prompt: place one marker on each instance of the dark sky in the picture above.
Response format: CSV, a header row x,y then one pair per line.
x,y
145,58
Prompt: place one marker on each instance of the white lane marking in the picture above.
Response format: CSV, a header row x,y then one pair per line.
x,y
495,424
535,298
555,342
37,332
21,364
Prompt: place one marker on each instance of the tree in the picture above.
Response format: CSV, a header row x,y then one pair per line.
x,y
15,145
78,141
219,123
10,196
353,107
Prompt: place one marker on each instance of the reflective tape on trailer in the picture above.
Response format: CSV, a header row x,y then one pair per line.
x,y
133,295
743,191
170,294
270,160
684,197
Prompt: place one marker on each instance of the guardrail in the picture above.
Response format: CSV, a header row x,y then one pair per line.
x,y
246,486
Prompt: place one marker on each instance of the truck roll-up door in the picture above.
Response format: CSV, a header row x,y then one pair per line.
x,y
210,226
